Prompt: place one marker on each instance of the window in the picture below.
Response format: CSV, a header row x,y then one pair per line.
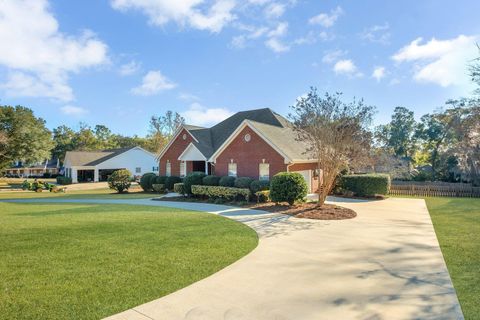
x,y
154,169
264,171
168,169
232,169
183,167
138,170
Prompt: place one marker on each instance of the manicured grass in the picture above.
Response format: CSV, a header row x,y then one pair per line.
x,y
79,194
88,261
457,225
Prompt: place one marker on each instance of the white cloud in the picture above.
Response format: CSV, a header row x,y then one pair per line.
x,y
73,110
279,31
443,62
200,115
192,13
277,45
377,33
346,67
378,73
152,83
129,68
38,56
332,56
327,20
275,10
188,97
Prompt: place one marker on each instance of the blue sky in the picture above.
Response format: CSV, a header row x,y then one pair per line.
x,y
118,62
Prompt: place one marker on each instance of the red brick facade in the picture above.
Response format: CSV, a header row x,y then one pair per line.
x,y
248,156
172,154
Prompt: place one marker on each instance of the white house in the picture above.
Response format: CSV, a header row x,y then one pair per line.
x,y
94,166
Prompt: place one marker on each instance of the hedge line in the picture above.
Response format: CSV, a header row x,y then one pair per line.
x,y
366,185
215,192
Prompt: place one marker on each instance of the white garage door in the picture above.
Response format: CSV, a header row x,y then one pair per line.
x,y
307,175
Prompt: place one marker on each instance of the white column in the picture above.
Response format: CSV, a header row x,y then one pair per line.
x,y
206,167
95,175
74,175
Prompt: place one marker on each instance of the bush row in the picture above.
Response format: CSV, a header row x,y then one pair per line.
x,y
149,179
365,185
64,180
218,192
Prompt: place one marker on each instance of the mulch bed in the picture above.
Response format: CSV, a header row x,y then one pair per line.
x,y
309,210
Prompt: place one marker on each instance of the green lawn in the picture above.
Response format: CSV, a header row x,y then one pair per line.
x,y
457,225
88,261
80,194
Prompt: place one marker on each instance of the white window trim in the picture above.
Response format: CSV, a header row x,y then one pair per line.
x,y
236,169
183,169
168,169
263,177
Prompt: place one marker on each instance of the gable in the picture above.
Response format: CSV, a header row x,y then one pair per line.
x,y
191,153
176,146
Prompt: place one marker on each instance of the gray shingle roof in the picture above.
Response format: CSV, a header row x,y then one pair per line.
x,y
92,158
276,128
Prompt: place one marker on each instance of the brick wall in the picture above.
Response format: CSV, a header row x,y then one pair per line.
x,y
248,156
172,154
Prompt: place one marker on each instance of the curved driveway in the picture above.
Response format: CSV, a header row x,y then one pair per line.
x,y
384,264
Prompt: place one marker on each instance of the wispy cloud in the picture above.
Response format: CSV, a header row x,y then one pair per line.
x,y
152,83
130,68
73,110
443,62
200,115
346,67
377,33
327,20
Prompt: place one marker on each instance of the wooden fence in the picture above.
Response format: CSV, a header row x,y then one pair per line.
x,y
434,189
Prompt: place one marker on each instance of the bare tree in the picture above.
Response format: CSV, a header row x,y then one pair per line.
x,y
336,132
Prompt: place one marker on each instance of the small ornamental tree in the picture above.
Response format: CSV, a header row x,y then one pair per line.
x,y
120,180
288,187
336,134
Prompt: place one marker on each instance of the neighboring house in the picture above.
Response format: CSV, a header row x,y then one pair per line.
x,y
94,166
255,143
39,169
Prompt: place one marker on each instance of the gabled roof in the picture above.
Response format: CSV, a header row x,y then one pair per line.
x,y
271,126
92,158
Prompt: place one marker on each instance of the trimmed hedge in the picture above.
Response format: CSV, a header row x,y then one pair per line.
x,y
159,187
147,180
259,185
160,180
120,180
366,185
64,180
288,187
179,188
227,181
211,180
243,182
216,192
171,181
193,178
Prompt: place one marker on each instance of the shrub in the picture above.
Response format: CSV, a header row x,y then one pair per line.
x,y
243,182
366,185
37,186
211,181
193,178
263,196
288,187
120,180
171,181
160,180
26,185
216,192
147,180
179,188
259,185
226,181
159,187
64,180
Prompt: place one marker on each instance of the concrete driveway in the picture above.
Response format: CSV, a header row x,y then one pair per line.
x,y
384,264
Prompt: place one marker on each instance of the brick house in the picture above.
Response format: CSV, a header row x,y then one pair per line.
x,y
255,143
